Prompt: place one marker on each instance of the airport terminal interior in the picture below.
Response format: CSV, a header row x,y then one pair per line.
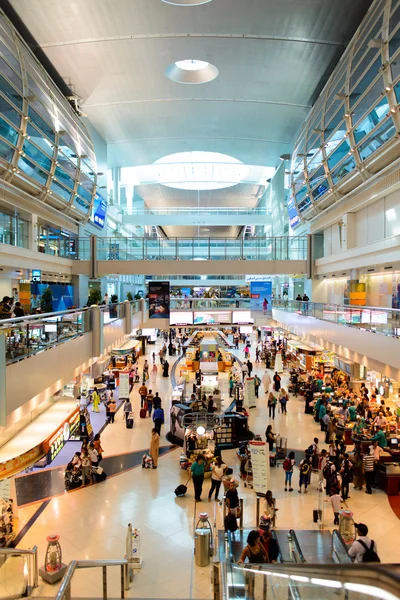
x,y
200,299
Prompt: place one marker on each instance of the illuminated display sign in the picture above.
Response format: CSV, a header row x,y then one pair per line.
x,y
212,318
181,318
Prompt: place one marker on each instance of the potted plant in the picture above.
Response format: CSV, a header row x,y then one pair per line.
x,y
129,297
94,297
46,301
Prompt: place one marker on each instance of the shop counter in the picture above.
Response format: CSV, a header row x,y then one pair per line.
x,y
392,478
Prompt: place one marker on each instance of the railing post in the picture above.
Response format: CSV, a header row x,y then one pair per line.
x,y
104,569
96,323
3,370
35,582
128,317
93,257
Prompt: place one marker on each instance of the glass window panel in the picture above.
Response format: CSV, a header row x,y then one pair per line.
x,y
41,95
8,132
320,190
370,21
394,19
60,190
85,168
84,193
365,81
66,164
315,161
7,39
10,92
372,120
6,151
6,52
32,170
364,104
88,185
298,184
332,125
335,140
338,154
386,131
375,32
37,138
300,195
68,152
362,66
344,169
68,141
37,155
397,91
10,74
81,205
64,178
10,113
317,176
41,124
304,204
333,103
394,44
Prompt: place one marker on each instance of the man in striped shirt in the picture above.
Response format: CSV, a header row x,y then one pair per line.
x,y
369,465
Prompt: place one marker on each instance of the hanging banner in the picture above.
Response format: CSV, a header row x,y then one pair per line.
x,y
258,291
260,464
158,299
124,385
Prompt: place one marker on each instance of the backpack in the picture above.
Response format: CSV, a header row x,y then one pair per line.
x,y
287,464
305,468
310,450
369,555
230,523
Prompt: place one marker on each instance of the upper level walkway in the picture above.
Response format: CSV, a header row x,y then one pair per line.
x,y
191,216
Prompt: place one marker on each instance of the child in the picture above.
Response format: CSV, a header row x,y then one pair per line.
x,y
336,501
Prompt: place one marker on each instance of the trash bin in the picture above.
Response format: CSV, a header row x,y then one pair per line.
x,y
202,547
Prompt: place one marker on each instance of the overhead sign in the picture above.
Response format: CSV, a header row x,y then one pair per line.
x,y
99,211
36,276
250,278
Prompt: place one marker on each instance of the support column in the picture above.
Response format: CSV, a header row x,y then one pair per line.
x,y
96,322
116,176
81,289
128,317
3,369
33,233
348,231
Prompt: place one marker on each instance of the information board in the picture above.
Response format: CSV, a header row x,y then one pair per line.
x,y
260,464
124,385
250,400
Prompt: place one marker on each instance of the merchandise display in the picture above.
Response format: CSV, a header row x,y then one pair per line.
x,y
7,533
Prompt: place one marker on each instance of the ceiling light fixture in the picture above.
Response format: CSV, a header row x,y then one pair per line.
x,y
191,71
186,2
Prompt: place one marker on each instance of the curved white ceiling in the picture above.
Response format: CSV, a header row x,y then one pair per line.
x,y
272,57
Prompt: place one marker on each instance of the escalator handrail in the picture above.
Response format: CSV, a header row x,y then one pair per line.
x,y
336,535
296,543
273,533
383,576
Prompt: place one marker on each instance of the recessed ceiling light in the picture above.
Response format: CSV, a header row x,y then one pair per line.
x,y
191,71
186,2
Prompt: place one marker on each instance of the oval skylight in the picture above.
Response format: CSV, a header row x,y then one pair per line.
x,y
200,170
191,71
186,2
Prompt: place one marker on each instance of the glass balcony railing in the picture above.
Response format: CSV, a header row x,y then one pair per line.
x,y
202,211
26,336
198,303
142,248
385,321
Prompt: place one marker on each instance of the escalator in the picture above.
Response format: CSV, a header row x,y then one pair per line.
x,y
313,547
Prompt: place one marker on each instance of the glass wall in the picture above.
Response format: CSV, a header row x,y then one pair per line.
x,y
56,241
14,230
44,147
356,119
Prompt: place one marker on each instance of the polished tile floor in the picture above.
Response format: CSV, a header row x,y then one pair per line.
x,y
92,522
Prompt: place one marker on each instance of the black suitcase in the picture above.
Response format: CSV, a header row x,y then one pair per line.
x,y
181,490
129,423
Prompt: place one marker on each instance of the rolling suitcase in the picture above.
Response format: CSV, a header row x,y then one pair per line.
x,y
143,413
129,423
182,488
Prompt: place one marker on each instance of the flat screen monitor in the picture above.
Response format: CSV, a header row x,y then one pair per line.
x,y
242,317
212,318
394,442
50,328
181,318
246,329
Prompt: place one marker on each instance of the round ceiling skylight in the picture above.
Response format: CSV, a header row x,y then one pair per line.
x,y
191,71
186,2
200,170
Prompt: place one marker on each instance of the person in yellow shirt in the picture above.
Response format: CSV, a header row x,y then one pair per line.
x,y
95,401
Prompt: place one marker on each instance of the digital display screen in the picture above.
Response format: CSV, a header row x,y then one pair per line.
x,y
242,316
246,329
212,318
181,318
99,211
50,328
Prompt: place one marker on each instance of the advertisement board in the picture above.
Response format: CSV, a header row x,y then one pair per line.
x,y
260,463
212,318
124,385
99,211
159,300
181,318
242,317
258,291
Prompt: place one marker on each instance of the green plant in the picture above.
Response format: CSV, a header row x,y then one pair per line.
x,y
138,296
114,298
46,301
129,296
94,297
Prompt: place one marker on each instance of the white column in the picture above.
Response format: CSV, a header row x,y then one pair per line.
x,y
33,233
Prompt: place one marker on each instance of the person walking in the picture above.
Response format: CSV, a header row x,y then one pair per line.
x,y
232,499
270,437
346,472
304,468
245,371
156,401
250,367
336,501
270,508
166,368
145,371
154,372
158,419
369,466
277,382
97,445
265,305
127,408
231,385
197,471
272,401
93,455
216,477
112,408
149,401
283,400
154,447
95,400
288,465
257,383
143,391
266,381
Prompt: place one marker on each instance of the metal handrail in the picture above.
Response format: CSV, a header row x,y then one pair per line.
x,y
337,536
64,592
296,543
30,574
300,303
